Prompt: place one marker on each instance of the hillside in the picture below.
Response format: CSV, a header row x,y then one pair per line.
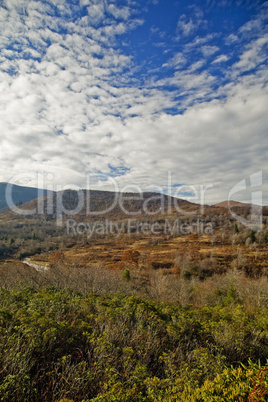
x,y
98,204
104,204
140,298
20,194
232,204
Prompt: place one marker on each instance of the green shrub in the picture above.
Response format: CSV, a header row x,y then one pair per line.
x,y
57,344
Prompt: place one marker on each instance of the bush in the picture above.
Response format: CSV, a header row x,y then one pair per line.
x,y
57,344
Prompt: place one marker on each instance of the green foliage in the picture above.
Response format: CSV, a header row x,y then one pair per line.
x,y
126,275
57,344
236,229
252,236
232,294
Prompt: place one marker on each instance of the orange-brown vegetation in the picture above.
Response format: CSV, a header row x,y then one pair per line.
x,y
136,315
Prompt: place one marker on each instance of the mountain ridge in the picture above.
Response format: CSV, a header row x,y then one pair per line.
x,y
102,203
20,194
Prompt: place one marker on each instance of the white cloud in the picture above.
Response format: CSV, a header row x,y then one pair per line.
x,y
220,59
209,50
255,54
186,26
197,65
119,13
231,39
96,12
177,61
72,102
198,41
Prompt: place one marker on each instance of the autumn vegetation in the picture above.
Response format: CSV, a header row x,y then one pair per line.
x,y
136,317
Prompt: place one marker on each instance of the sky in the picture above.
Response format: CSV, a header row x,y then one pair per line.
x,y
158,95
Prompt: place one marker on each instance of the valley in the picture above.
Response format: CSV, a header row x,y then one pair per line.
x,y
140,302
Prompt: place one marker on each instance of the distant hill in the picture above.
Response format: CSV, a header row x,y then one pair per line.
x,y
231,203
241,207
105,204
19,194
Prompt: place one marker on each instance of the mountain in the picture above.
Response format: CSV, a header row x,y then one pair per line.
x,y
19,194
231,204
104,204
242,207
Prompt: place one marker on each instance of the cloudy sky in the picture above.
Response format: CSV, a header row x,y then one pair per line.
x,y
150,94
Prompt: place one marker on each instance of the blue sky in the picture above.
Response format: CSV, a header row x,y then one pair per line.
x,y
144,95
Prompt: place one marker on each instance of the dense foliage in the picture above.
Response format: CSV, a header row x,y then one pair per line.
x,y
57,344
